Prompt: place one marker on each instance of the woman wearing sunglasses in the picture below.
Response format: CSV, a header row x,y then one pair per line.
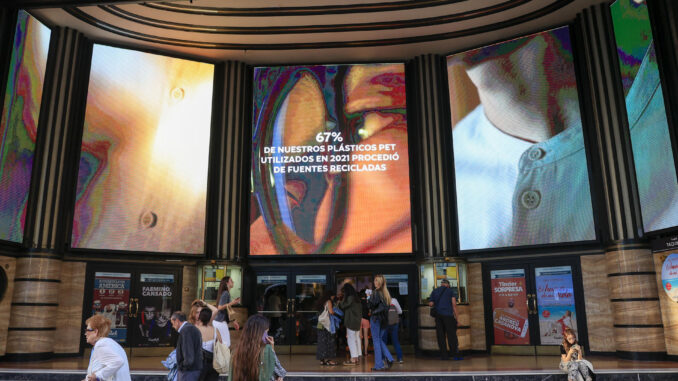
x,y
108,360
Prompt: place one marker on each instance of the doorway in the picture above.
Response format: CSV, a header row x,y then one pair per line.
x,y
531,304
138,302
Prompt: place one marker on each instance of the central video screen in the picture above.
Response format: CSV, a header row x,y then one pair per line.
x,y
330,164
520,165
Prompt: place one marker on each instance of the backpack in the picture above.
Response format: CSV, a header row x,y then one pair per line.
x,y
392,315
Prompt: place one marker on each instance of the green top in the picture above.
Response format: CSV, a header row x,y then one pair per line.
x,y
353,312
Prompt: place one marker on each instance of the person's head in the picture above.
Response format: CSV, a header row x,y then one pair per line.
x,y
245,360
205,316
178,318
196,307
380,286
511,302
363,293
327,295
445,283
98,326
569,338
348,290
149,312
568,313
225,284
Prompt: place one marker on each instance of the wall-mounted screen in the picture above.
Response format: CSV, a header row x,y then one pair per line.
x,y
520,166
330,168
142,178
19,123
650,140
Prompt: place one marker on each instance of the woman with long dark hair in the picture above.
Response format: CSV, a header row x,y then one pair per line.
x,y
327,341
353,309
224,302
379,302
209,335
253,357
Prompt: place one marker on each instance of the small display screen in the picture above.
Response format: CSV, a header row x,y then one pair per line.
x,y
330,167
521,171
19,123
142,179
650,139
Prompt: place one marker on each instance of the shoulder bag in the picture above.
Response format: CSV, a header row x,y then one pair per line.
x,y
222,355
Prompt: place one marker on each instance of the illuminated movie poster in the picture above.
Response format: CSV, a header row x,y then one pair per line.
x,y
19,122
555,298
142,179
157,299
520,167
111,299
650,140
509,307
330,170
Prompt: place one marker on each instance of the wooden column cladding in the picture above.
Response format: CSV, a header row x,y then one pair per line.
x,y
35,300
638,329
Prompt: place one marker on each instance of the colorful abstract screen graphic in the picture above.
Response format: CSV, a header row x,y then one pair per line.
x,y
19,123
520,166
142,179
650,140
330,167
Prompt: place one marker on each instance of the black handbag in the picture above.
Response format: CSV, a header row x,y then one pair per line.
x,y
433,312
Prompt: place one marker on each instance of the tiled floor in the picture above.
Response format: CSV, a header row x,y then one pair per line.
x,y
301,363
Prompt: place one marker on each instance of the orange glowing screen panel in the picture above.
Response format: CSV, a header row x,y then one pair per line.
x,y
142,178
330,167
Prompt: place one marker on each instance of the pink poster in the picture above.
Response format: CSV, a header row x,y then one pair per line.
x,y
509,307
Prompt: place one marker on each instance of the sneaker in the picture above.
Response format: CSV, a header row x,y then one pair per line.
x,y
400,361
457,358
350,363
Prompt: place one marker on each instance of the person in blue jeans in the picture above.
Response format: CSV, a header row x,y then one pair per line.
x,y
379,302
392,330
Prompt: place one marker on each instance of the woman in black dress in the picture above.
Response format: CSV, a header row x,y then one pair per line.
x,y
327,341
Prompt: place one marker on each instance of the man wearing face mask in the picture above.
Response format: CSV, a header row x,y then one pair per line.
x,y
444,301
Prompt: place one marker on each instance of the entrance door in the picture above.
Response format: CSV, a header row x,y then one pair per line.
x,y
289,301
139,303
531,305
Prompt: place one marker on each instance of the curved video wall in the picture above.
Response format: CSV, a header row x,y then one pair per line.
x,y
650,140
520,165
19,123
142,177
330,163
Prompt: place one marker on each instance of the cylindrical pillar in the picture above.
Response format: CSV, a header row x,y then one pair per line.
x,y
35,300
639,333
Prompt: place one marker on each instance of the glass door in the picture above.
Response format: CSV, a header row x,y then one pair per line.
x,y
139,303
532,304
272,302
308,290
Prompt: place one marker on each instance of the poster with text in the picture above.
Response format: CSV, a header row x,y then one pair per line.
x,y
111,299
330,163
509,307
555,298
670,276
156,302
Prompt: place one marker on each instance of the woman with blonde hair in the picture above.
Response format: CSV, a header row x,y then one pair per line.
x,y
572,358
108,360
253,357
379,302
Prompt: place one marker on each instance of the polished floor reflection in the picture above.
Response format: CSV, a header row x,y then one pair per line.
x,y
304,363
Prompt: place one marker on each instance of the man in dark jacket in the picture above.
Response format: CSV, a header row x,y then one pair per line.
x,y
444,300
189,348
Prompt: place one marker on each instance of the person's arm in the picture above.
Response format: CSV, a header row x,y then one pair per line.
x,y
111,361
187,347
454,308
396,304
432,298
279,372
329,307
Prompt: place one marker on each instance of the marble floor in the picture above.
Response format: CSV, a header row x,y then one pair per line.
x,y
304,364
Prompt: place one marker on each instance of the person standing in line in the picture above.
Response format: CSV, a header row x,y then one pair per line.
x,y
208,334
379,302
189,348
327,340
108,360
225,303
365,321
353,310
444,301
253,357
392,329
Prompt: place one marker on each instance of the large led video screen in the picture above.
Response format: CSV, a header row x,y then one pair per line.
x,y
650,139
19,123
521,171
330,167
142,177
